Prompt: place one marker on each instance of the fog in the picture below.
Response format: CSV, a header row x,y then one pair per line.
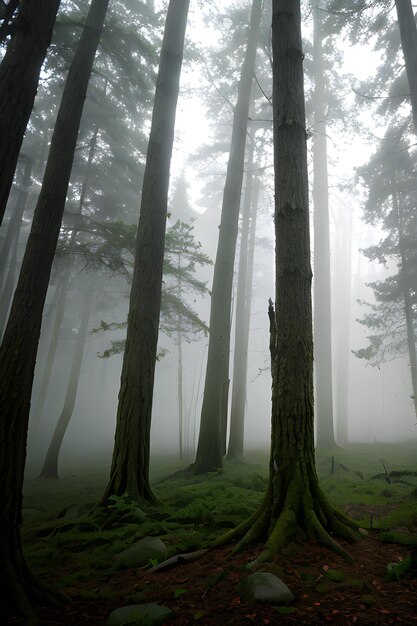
x,y
378,398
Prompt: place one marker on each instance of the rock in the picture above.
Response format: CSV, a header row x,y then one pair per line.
x,y
142,552
264,587
139,615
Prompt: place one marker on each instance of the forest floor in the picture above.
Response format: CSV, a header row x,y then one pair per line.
x,y
376,485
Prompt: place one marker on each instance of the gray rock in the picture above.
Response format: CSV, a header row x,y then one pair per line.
x,y
264,587
139,615
142,552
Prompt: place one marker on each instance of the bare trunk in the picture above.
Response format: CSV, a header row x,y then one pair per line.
x,y
180,397
50,467
240,356
209,451
130,464
20,342
19,77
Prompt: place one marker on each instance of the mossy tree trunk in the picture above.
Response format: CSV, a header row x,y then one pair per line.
x,y
130,465
210,445
19,77
294,507
20,342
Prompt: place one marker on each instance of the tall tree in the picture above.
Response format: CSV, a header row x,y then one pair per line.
x,y
50,466
210,448
31,32
408,34
130,464
322,304
294,507
390,179
20,341
243,292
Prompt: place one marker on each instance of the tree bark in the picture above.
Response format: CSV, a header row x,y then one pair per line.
x,y
294,507
19,78
210,451
50,467
408,35
322,302
130,464
20,341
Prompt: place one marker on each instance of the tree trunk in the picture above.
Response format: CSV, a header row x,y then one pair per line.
x,y
15,223
209,451
6,293
130,465
322,304
19,77
240,356
53,344
50,467
408,307
20,341
180,397
294,507
343,289
408,34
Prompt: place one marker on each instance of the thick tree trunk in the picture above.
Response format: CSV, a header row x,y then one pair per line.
x,y
408,34
209,451
294,507
50,467
322,303
20,341
130,465
240,356
19,77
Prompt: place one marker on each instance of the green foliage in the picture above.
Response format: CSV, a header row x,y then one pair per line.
x,y
113,248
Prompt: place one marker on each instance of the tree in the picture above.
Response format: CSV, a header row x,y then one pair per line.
x,y
294,507
50,466
390,178
408,34
243,307
31,31
322,305
130,464
19,346
210,447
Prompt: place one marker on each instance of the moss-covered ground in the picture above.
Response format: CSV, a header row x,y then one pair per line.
x,y
72,546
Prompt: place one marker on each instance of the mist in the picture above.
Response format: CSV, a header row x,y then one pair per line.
x,y
160,316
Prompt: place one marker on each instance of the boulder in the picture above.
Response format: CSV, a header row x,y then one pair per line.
x,y
142,552
264,587
139,615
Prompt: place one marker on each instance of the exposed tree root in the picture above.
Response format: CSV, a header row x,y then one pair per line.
x,y
22,588
303,514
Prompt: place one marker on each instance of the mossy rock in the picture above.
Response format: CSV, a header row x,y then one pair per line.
x,y
264,587
142,552
139,615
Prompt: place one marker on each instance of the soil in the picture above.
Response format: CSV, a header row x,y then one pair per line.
x,y
362,597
